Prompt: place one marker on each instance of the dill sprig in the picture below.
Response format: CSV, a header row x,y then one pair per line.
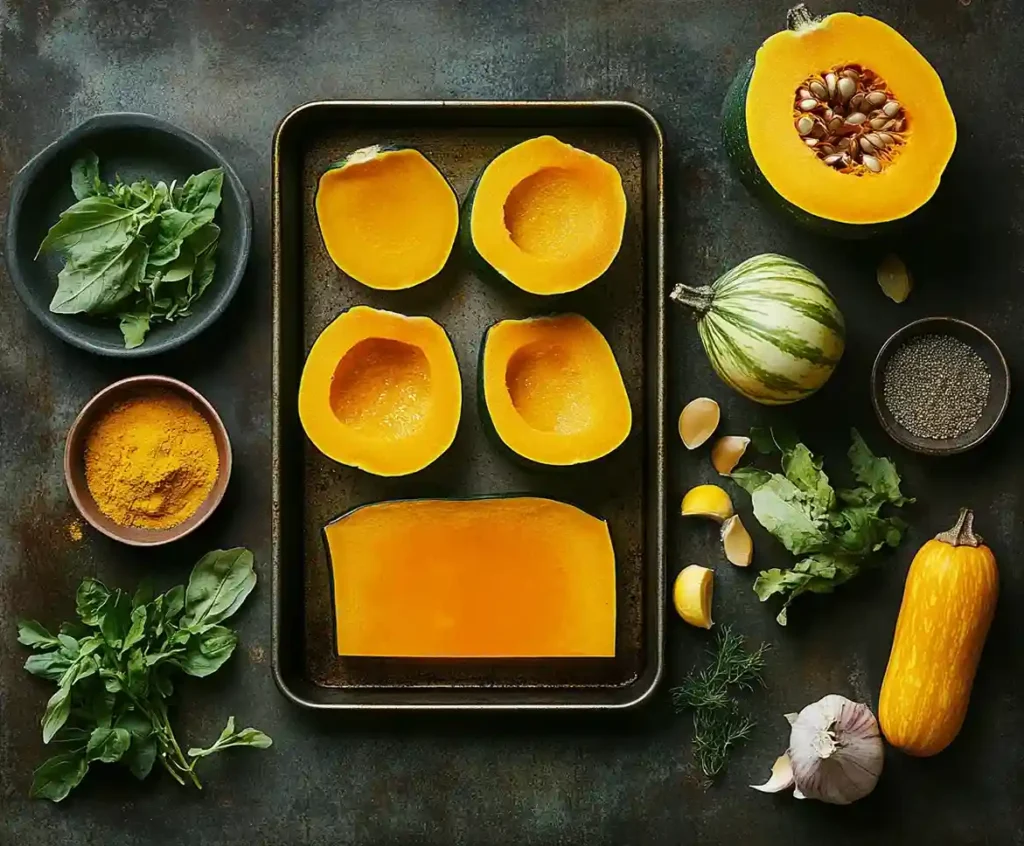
x,y
718,722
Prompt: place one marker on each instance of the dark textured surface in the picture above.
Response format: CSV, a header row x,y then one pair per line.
x,y
229,71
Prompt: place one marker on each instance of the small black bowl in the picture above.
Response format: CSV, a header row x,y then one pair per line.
x,y
998,394
132,146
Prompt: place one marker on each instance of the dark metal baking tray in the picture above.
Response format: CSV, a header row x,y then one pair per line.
x,y
627,488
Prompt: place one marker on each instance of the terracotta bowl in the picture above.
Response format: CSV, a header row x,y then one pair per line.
x,y
999,387
74,460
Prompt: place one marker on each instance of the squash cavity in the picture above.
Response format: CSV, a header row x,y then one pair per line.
x,y
388,217
546,216
552,391
381,391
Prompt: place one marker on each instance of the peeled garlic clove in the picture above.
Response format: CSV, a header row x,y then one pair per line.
x,y
727,452
707,501
692,594
739,548
698,421
797,794
791,717
894,279
781,777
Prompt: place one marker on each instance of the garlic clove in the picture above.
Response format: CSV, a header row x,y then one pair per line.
x,y
707,501
797,794
698,421
727,452
781,777
791,718
736,540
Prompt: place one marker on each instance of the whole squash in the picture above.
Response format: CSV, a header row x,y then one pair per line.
x,y
948,604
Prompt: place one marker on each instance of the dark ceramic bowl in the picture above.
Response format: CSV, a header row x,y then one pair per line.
x,y
998,395
74,460
132,146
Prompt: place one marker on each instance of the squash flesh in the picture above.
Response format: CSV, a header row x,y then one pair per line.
x,y
547,216
553,390
388,219
781,66
518,577
381,391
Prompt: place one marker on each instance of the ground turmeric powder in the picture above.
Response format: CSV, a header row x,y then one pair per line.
x,y
151,461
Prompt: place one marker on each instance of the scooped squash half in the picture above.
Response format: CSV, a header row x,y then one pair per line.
x,y
513,577
381,391
840,122
388,217
546,216
552,391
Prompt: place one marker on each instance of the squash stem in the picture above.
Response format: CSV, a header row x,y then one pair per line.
x,y
962,534
699,299
799,18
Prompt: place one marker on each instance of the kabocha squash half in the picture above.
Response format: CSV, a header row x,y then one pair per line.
x,y
388,217
840,122
546,216
381,391
515,577
948,604
552,391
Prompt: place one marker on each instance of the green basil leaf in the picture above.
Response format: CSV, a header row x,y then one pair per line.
x,y
137,630
93,225
99,707
162,681
229,738
111,681
56,714
201,194
69,645
138,674
205,264
85,177
173,227
31,633
116,619
218,586
174,603
58,776
141,755
206,652
92,595
144,593
48,665
99,282
107,744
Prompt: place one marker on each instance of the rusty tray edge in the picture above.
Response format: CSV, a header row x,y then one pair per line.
x,y
463,699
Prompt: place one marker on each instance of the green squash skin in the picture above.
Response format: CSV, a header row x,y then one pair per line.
x,y
487,272
737,146
495,438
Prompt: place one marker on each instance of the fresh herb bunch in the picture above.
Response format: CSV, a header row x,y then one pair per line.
x,y
141,252
831,531
718,722
114,672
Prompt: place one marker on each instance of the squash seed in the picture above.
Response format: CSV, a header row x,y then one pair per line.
x,y
808,105
818,90
830,82
871,163
805,125
846,88
856,119
876,99
878,122
866,145
856,101
891,109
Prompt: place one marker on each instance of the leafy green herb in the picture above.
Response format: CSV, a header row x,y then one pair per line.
x,y
831,531
143,253
718,721
113,672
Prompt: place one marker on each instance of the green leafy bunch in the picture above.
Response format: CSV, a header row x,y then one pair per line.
x,y
140,252
832,531
115,670
718,721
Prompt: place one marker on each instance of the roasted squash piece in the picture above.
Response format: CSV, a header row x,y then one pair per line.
x,y
515,577
546,216
388,217
381,391
552,390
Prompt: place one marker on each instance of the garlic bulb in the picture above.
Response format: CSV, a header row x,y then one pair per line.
x,y
835,753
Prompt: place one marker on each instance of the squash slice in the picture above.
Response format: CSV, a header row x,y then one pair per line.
x,y
515,577
388,217
552,390
381,391
546,216
854,196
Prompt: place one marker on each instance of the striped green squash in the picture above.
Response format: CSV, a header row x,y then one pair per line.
x,y
770,327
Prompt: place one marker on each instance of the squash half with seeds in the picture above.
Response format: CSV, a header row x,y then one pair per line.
x,y
841,123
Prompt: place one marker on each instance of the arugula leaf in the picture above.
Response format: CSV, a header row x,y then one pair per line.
x,y
217,587
229,738
779,507
85,177
107,744
878,474
804,471
31,633
58,776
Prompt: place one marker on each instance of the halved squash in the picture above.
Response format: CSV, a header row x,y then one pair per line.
x,y
847,157
552,391
546,216
388,217
515,577
381,391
